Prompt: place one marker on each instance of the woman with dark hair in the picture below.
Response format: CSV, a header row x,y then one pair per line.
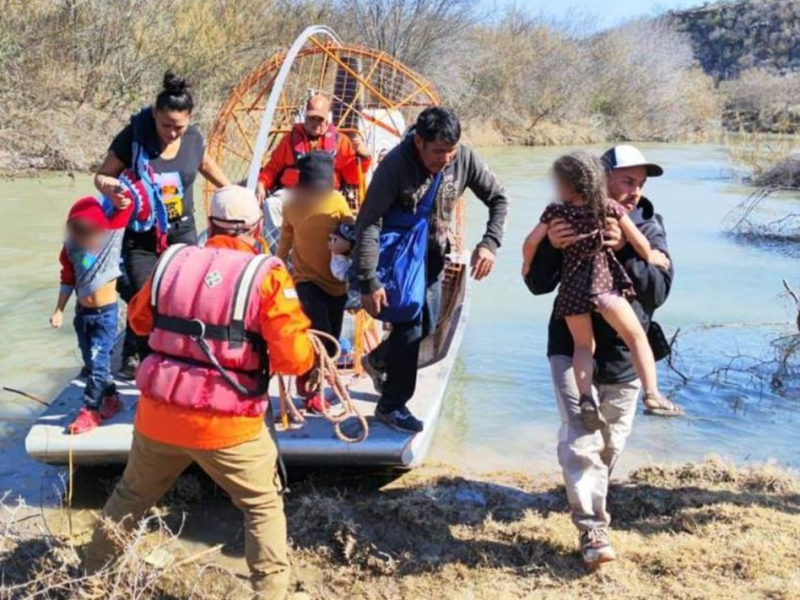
x,y
161,149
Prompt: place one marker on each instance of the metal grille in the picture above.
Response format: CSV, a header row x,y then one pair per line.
x,y
361,83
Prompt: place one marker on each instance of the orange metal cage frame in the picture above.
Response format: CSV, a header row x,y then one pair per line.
x,y
381,82
238,122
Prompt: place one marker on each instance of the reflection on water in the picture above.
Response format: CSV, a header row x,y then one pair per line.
x,y
500,412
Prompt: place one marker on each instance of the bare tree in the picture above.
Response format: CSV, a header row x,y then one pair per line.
x,y
433,37
647,83
416,32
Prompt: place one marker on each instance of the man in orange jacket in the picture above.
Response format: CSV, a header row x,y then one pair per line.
x,y
214,315
315,133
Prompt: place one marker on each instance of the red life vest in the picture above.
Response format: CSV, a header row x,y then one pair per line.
x,y
301,145
208,353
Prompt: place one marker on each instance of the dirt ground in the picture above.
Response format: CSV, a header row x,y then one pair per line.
x,y
707,531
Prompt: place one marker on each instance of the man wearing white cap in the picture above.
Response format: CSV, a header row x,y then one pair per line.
x,y
588,458
219,320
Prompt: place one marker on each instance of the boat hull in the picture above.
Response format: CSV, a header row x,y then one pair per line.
x,y
314,444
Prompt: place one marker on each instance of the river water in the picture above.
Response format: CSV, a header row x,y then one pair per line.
x,y
500,413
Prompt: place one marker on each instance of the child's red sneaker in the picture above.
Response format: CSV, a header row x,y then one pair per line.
x,y
87,420
111,405
317,404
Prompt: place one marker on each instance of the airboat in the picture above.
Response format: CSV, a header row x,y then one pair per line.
x,y
374,95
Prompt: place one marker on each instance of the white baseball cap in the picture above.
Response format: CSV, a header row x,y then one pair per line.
x,y
234,207
625,156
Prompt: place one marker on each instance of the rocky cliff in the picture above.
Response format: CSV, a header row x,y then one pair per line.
x,y
732,37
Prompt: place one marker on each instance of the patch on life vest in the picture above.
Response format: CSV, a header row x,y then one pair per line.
x,y
290,294
213,279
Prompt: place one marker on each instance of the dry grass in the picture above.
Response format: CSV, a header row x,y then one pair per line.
x,y
765,159
691,532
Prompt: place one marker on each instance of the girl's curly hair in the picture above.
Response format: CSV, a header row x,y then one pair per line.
x,y
585,173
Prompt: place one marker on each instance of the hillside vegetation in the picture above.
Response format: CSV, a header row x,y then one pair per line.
x,y
72,71
730,38
751,48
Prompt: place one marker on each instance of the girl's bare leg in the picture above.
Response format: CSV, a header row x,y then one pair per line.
x,y
580,326
619,313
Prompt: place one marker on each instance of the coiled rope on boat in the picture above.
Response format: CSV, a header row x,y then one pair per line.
x,y
324,374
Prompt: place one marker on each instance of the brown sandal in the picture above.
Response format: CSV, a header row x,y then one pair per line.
x,y
659,406
593,419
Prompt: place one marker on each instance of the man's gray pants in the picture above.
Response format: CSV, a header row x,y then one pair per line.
x,y
587,459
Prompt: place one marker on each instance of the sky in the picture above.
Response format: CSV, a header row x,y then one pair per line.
x,y
610,12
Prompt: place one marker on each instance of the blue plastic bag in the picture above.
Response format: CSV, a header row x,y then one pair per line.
x,y
402,261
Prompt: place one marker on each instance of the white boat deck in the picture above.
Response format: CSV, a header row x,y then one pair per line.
x,y
312,444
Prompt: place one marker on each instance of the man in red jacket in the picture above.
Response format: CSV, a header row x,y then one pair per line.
x,y
315,133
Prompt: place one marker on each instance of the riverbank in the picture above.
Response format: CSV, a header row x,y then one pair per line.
x,y
77,143
707,530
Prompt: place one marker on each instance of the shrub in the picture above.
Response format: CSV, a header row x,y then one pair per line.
x,y
647,86
763,101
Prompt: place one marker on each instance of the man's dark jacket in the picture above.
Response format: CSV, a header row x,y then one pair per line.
x,y
402,180
652,285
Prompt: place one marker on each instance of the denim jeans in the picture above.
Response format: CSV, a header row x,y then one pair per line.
x,y
398,354
139,258
326,312
97,330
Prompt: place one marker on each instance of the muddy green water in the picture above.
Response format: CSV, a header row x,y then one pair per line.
x,y
500,412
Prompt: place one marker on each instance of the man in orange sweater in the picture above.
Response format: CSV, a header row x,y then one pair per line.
x,y
219,319
316,132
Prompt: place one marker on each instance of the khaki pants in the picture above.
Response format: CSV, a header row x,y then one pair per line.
x,y
247,472
587,459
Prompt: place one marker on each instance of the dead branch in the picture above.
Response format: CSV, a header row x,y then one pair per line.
x,y
790,291
671,358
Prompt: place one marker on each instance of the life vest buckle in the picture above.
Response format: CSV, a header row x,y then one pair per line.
x,y
201,329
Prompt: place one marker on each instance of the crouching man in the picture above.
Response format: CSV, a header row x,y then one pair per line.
x,y
219,319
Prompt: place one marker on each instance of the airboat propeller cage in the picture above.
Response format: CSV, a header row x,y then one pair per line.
x,y
275,94
370,92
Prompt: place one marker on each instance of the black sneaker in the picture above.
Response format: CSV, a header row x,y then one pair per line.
x,y
400,419
377,376
127,369
85,373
